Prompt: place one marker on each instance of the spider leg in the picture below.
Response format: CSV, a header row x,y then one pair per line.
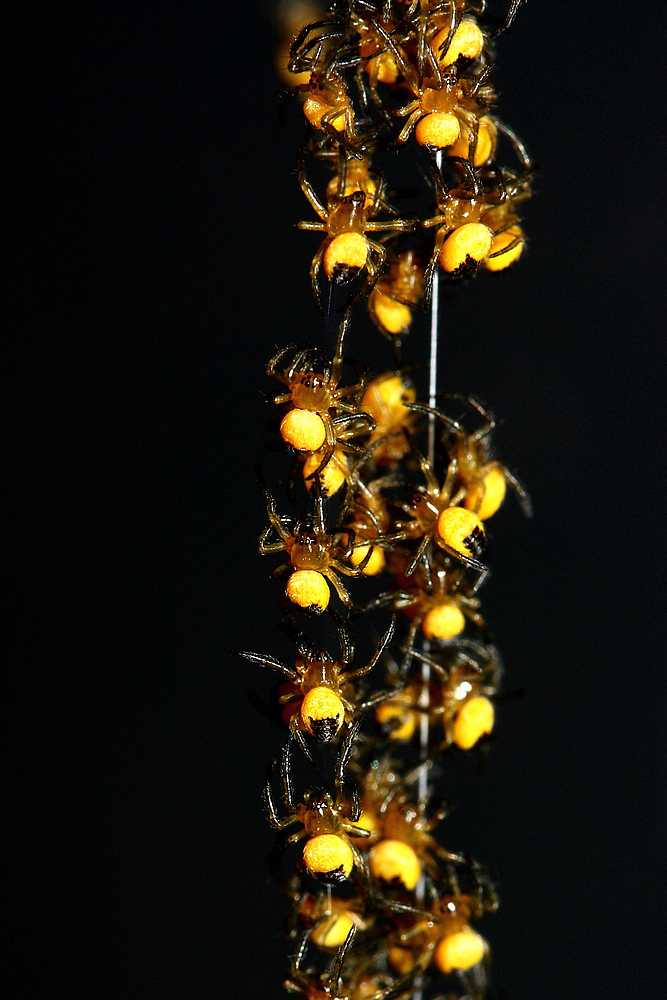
x,y
268,661
386,639
300,738
315,274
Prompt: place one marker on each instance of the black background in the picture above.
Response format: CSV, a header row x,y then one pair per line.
x,y
154,267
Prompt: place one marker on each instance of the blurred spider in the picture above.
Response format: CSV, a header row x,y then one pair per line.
x,y
314,555
405,846
323,414
484,479
460,696
437,601
329,854
362,984
446,939
346,250
320,698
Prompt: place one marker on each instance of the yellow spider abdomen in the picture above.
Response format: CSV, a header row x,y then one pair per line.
x,y
332,475
303,430
487,494
322,713
385,400
465,247
461,530
332,932
328,858
394,316
443,622
461,950
367,821
394,860
501,241
401,960
315,110
467,43
487,135
385,67
375,564
405,720
308,589
475,720
345,256
439,129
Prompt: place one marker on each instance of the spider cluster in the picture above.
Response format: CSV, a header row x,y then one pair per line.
x,y
387,543
374,77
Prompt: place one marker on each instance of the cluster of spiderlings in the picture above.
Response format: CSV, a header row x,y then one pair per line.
x,y
395,496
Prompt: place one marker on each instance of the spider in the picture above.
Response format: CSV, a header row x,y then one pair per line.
x,y
396,296
405,846
346,250
437,601
314,555
329,918
323,415
386,399
484,479
446,939
320,698
478,225
435,515
361,984
461,702
443,103
459,699
329,854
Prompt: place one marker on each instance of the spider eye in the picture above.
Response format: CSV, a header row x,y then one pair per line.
x,y
322,713
344,257
328,858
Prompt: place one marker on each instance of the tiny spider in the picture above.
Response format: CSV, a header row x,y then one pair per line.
x,y
446,939
346,250
396,296
362,983
484,479
323,414
328,822
462,701
477,222
437,601
460,696
320,698
435,515
405,847
314,555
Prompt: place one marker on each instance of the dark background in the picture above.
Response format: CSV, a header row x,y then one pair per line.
x,y
154,267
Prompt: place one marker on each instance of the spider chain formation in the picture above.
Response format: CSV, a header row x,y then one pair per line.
x,y
387,547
